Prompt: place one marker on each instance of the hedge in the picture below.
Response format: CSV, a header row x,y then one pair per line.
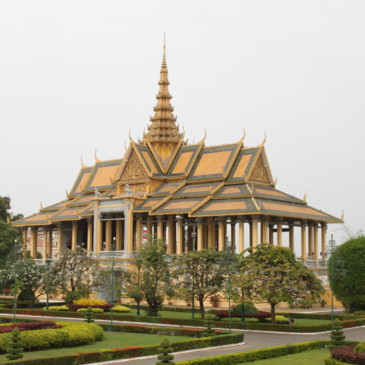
x,y
71,334
348,355
164,331
334,362
29,326
194,322
254,355
129,352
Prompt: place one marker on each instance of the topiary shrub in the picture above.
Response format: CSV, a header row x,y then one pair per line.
x,y
89,315
208,324
360,347
15,350
92,310
90,302
165,350
337,336
246,307
57,308
27,295
121,309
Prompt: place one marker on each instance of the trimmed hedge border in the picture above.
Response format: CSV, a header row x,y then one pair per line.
x,y
254,355
163,331
193,322
71,334
129,352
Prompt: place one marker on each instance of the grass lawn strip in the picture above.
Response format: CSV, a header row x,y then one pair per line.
x,y
313,357
111,340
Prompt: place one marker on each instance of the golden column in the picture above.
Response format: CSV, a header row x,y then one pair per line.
x,y
291,237
74,235
211,233
310,240
33,242
179,236
264,230
241,235
138,233
119,234
128,246
271,234
279,233
254,231
25,240
100,234
315,241
59,237
50,242
45,244
233,236
324,239
221,234
304,240
90,235
160,227
171,247
200,235
108,235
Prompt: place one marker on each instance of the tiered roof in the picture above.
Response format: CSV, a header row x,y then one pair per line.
x,y
168,176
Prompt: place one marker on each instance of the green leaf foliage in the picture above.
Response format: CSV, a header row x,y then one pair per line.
x,y
346,268
272,274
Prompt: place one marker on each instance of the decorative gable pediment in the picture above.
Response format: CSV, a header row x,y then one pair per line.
x,y
133,169
260,173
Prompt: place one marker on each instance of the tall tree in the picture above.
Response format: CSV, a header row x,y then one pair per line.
x,y
10,238
154,274
346,268
199,274
5,214
73,272
275,276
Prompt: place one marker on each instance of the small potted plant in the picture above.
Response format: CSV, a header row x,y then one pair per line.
x,y
214,299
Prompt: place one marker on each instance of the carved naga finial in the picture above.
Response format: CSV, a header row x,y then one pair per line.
x,y
205,136
305,197
82,163
95,155
264,141
243,137
343,215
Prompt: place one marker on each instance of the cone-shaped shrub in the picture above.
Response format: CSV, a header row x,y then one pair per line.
x,y
15,349
337,336
208,324
89,316
164,351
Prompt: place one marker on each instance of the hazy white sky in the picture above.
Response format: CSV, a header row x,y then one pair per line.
x,y
77,75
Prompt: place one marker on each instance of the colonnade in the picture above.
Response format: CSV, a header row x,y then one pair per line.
x,y
128,234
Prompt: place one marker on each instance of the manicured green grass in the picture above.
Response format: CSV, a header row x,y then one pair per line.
x,y
311,322
313,357
111,340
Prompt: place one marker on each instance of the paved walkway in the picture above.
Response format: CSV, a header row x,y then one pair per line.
x,y
253,340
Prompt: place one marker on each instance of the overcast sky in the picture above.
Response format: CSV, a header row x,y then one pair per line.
x,y
78,75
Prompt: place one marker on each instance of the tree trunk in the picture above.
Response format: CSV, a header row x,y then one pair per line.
x,y
273,305
202,310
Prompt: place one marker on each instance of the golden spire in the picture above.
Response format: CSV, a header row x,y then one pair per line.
x,y
163,129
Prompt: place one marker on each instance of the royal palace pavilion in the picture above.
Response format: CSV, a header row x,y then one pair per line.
x,y
190,195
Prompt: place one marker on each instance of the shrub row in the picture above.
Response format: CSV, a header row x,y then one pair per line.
x,y
192,322
347,355
260,315
164,331
71,334
29,326
333,362
342,316
104,307
129,352
253,355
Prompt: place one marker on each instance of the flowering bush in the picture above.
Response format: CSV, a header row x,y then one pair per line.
x,y
30,326
90,302
104,307
57,308
347,355
214,299
94,310
121,309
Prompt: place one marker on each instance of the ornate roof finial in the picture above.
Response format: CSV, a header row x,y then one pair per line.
x,y
41,205
342,215
263,142
95,155
82,163
305,196
163,129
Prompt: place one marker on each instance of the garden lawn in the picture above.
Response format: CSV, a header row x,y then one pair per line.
x,y
313,357
111,340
